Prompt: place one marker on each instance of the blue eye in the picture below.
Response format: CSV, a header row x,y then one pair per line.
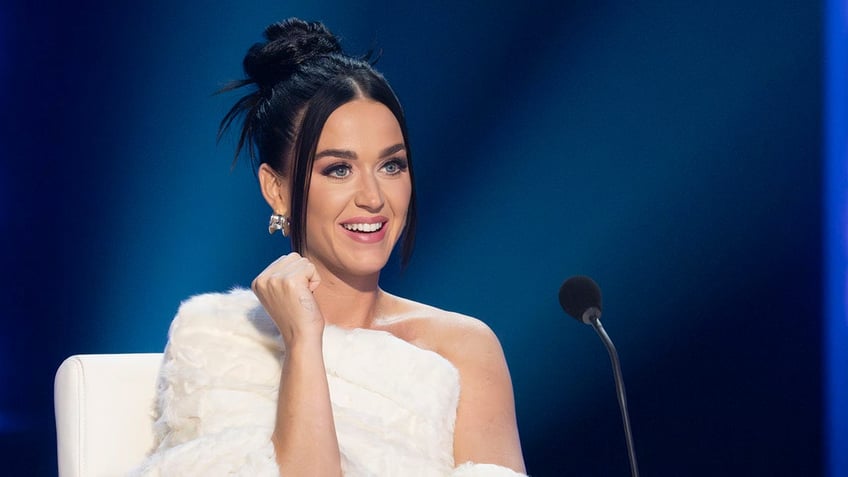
x,y
395,166
338,171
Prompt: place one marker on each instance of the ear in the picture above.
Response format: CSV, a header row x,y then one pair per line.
x,y
275,189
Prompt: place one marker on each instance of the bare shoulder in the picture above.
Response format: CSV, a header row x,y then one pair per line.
x,y
486,429
455,336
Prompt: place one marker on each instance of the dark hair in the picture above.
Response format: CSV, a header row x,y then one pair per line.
x,y
301,76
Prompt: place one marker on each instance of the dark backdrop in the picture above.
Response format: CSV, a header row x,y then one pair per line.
x,y
672,150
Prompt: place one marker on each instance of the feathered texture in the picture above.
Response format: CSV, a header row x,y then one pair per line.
x,y
218,388
394,404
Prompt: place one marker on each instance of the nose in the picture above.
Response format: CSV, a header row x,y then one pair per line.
x,y
370,194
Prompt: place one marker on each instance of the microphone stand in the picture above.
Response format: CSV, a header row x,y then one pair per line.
x,y
619,388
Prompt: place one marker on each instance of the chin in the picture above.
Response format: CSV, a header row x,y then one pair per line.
x,y
365,264
365,268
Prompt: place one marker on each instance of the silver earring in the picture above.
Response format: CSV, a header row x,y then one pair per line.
x,y
279,222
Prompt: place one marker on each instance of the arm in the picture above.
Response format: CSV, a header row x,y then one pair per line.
x,y
304,435
486,429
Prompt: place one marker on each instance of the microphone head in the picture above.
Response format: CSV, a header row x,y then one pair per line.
x,y
580,294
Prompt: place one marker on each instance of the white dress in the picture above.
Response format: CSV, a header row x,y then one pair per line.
x,y
394,404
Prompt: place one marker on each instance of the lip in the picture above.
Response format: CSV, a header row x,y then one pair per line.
x,y
361,237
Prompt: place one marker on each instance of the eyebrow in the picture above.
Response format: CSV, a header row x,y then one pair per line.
x,y
346,154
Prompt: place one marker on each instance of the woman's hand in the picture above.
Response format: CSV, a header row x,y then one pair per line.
x,y
304,436
285,290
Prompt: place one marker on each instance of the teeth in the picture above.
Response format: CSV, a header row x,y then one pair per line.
x,y
363,227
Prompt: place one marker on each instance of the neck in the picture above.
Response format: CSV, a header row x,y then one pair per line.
x,y
350,302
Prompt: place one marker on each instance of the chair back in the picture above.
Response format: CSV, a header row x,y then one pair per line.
x,y
104,407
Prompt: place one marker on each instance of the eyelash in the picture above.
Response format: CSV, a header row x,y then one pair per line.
x,y
333,169
398,162
330,171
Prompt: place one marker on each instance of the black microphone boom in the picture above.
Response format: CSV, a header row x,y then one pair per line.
x,y
580,297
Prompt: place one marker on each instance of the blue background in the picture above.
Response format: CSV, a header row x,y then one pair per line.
x,y
672,150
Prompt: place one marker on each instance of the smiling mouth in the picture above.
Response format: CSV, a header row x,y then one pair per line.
x,y
364,228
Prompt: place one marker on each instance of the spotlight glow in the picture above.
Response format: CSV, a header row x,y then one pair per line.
x,y
836,239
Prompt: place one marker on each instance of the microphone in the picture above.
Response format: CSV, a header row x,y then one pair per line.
x,y
580,297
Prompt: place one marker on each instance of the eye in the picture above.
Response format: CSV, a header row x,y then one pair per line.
x,y
395,166
337,171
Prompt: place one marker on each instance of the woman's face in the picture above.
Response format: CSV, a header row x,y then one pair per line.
x,y
359,192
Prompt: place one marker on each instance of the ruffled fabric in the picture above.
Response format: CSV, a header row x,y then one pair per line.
x,y
218,387
242,452
394,404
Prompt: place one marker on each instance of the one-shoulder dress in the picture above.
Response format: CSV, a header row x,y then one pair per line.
x,y
394,404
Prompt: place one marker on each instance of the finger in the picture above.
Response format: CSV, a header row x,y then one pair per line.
x,y
314,280
278,264
284,260
297,272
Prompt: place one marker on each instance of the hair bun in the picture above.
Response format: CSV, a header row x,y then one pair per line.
x,y
290,43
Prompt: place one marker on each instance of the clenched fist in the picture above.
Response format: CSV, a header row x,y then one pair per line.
x,y
285,290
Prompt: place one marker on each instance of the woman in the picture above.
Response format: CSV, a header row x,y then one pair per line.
x,y
318,371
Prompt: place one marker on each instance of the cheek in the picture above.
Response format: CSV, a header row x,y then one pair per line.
x,y
320,220
324,204
401,194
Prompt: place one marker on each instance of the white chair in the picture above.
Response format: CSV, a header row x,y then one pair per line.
x,y
104,412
